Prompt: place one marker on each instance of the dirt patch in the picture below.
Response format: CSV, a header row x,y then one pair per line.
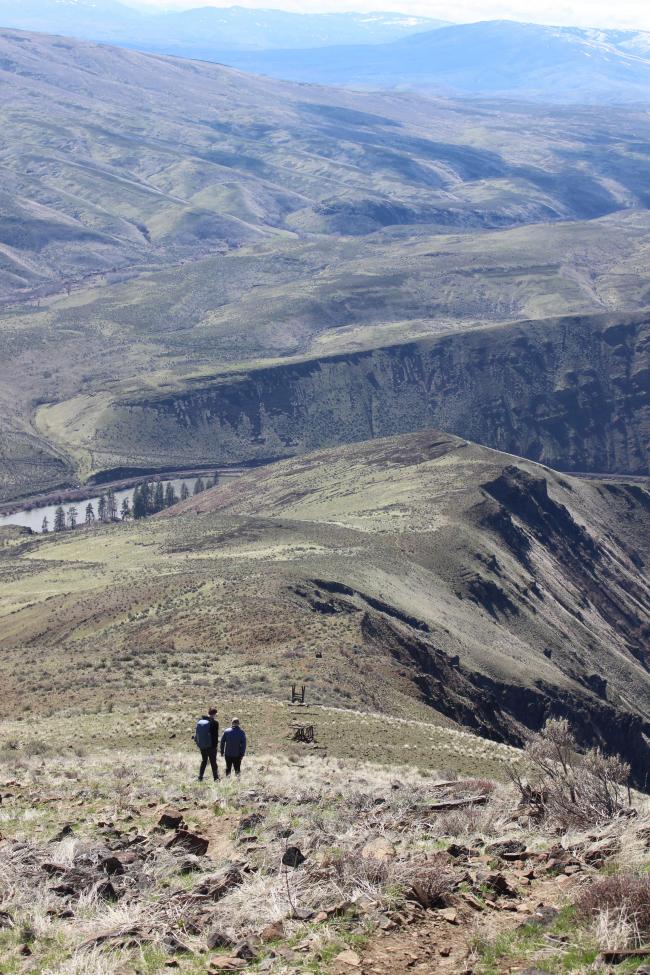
x,y
444,940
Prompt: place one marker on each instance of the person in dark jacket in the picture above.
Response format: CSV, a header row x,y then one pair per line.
x,y
206,737
233,746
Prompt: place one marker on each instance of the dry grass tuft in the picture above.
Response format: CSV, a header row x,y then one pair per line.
x,y
620,905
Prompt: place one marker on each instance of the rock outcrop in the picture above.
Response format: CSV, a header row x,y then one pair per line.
x,y
572,392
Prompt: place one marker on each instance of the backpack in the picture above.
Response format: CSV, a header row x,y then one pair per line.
x,y
203,734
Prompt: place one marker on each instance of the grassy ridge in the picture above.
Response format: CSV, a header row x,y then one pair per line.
x,y
387,577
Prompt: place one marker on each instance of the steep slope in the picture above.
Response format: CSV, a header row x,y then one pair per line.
x,y
572,392
490,58
503,589
419,576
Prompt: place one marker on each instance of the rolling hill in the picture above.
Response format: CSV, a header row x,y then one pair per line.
x,y
489,59
168,223
115,159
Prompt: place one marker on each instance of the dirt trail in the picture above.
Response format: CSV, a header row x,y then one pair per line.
x,y
442,942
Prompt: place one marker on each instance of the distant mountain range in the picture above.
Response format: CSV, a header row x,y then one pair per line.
x,y
205,31
492,58
369,50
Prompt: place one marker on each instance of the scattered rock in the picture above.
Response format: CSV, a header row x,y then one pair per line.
x,y
303,914
227,964
596,853
218,939
508,849
172,944
53,869
219,884
188,842
293,857
473,902
348,958
272,932
112,866
379,849
106,891
387,924
500,885
341,907
244,950
170,818
365,903
190,864
63,832
6,920
250,822
450,914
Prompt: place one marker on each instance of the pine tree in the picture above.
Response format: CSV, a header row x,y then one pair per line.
x,y
170,495
125,510
199,486
45,527
111,505
139,504
215,479
90,513
184,492
72,517
59,519
145,494
159,497
101,508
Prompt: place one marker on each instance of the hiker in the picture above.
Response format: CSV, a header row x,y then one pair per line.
x,y
233,746
206,737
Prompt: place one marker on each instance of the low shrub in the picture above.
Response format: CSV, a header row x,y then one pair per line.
x,y
624,896
354,871
427,883
568,788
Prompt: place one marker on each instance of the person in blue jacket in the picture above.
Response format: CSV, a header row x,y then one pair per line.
x,y
233,746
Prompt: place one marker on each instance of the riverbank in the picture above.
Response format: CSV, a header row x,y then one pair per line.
x,y
77,507
87,491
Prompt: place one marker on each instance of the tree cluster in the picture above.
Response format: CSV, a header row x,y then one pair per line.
x,y
148,498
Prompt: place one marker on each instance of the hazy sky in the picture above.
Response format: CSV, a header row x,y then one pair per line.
x,y
583,13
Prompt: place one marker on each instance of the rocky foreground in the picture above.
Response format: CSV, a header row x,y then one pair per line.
x,y
314,865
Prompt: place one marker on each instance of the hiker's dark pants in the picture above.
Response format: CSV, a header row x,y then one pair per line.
x,y
211,755
233,763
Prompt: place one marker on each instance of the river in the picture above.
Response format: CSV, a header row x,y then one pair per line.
x,y
33,517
